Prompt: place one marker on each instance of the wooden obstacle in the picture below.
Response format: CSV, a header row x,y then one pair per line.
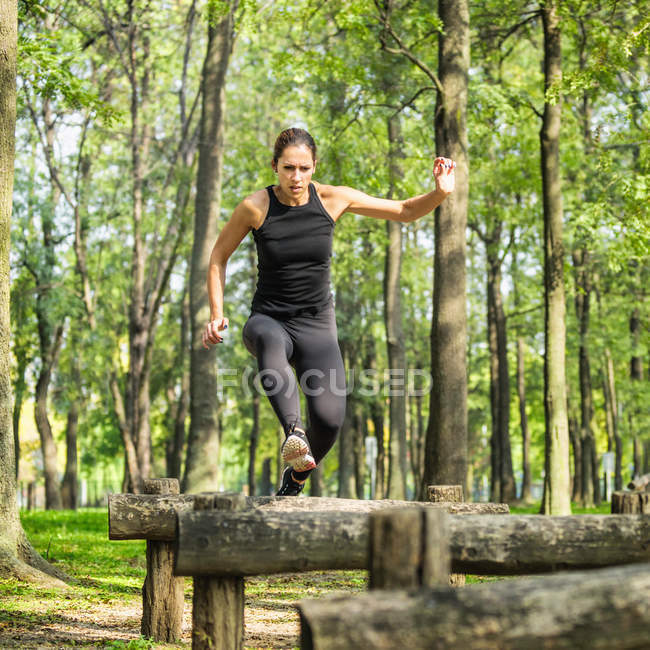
x,y
219,539
153,517
628,503
601,609
604,608
255,542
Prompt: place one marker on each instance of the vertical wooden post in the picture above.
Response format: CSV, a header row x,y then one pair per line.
x,y
409,548
631,503
448,494
218,603
162,591
445,493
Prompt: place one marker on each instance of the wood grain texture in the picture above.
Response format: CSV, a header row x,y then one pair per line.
x,y
603,609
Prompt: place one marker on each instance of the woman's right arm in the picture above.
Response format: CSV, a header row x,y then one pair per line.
x,y
245,216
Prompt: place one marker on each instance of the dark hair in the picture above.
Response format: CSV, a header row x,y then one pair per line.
x,y
295,137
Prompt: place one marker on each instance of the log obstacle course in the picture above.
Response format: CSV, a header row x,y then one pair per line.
x,y
226,537
153,517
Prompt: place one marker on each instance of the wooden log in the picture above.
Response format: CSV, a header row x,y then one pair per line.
x,y
448,494
162,591
520,544
631,503
143,516
445,493
218,602
603,609
640,483
409,548
257,542
359,505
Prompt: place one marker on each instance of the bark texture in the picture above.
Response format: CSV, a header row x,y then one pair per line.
x,y
446,438
393,321
523,422
141,516
218,603
9,521
162,592
600,609
409,548
204,435
17,557
631,503
557,495
257,542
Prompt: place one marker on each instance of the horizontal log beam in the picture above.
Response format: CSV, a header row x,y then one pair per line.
x,y
602,609
262,542
521,544
144,516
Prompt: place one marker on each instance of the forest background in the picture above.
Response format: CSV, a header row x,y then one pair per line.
x,y
140,127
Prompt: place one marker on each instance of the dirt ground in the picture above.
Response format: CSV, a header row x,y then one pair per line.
x,y
271,619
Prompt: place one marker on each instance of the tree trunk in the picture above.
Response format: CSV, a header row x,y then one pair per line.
x,y
618,442
10,527
556,499
50,345
20,388
17,557
446,444
377,417
503,480
636,375
255,399
590,491
576,444
69,490
346,489
360,432
523,422
393,322
252,444
204,436
178,414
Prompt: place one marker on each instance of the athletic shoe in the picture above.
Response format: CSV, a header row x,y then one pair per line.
x,y
296,450
289,487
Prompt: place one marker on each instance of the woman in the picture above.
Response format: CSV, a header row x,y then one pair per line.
x,y
292,321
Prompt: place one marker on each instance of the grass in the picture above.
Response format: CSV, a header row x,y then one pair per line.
x,y
107,577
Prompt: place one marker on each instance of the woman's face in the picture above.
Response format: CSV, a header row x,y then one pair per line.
x,y
295,168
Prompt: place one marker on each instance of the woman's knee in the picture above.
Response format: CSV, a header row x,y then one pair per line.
x,y
326,418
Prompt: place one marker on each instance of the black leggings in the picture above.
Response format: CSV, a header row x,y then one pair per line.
x,y
309,344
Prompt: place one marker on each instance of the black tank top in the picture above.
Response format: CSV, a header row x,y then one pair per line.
x,y
294,251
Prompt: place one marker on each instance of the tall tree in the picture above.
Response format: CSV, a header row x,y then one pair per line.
x,y
17,558
397,467
446,439
204,434
556,499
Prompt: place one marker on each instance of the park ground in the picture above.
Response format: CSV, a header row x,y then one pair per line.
x,y
102,605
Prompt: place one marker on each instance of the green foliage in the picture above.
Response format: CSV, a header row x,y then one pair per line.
x,y
325,66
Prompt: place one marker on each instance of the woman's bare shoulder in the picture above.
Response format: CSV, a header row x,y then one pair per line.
x,y
254,208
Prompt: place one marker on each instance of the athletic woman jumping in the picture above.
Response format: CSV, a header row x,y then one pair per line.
x,y
292,322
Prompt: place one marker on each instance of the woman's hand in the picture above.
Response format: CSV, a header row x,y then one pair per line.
x,y
213,332
443,172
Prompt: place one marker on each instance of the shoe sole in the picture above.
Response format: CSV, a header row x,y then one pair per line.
x,y
296,452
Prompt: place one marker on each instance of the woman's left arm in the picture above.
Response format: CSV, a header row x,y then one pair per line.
x,y
348,199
